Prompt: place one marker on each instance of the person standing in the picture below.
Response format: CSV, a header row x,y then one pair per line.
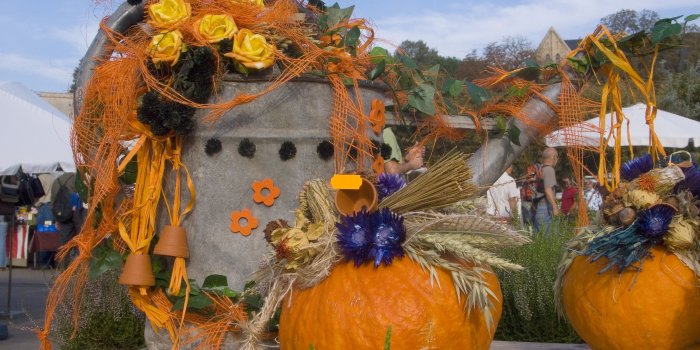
x,y
503,197
545,206
568,196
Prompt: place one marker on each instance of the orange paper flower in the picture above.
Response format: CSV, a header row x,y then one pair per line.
x,y
376,115
378,165
262,196
251,222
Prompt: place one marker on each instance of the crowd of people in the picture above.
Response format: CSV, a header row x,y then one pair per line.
x,y
537,197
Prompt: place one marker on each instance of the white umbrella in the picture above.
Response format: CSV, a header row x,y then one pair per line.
x,y
35,135
672,130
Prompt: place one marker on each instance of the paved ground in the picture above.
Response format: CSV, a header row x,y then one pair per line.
x,y
29,291
30,288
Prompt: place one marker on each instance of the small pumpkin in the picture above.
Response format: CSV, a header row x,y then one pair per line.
x,y
655,308
354,307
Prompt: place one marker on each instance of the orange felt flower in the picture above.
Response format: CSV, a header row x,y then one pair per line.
x,y
251,222
378,165
376,115
262,196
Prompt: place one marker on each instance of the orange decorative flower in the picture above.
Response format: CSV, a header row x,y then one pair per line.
x,y
378,165
376,115
262,196
250,224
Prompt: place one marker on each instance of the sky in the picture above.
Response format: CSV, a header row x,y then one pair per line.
x,y
42,41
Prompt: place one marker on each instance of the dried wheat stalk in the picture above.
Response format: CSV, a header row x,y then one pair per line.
x,y
453,243
445,183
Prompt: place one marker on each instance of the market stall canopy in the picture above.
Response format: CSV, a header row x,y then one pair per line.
x,y
673,130
35,135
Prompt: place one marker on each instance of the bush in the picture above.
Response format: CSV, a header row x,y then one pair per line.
x,y
108,320
529,313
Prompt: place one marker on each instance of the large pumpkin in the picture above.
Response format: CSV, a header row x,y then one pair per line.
x,y
353,308
657,308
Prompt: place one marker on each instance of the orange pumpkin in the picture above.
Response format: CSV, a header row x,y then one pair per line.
x,y
655,309
353,308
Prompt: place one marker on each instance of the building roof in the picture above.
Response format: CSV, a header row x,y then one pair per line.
x,y
572,43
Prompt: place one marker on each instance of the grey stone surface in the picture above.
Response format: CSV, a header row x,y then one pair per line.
x,y
298,112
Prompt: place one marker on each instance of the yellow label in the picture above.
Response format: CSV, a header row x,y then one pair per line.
x,y
346,182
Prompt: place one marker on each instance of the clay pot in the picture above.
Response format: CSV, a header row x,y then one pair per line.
x,y
172,242
137,271
351,201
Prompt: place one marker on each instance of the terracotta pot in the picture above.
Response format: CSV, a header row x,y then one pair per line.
x,y
137,271
351,201
172,242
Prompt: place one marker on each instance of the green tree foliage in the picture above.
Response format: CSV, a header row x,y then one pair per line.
x,y
630,21
679,92
426,57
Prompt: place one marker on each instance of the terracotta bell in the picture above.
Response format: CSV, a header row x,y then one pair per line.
x,y
172,242
351,201
137,271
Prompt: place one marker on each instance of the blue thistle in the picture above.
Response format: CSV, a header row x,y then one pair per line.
x,y
355,236
653,222
387,184
623,248
388,235
691,181
635,167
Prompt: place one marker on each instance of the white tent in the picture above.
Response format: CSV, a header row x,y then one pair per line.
x,y
672,130
35,135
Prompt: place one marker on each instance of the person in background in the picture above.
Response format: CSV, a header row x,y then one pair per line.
x,y
397,164
545,207
594,201
503,197
568,197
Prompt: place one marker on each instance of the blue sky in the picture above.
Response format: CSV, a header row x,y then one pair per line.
x,y
42,41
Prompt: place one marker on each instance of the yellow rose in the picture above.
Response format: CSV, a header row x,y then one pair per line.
x,y
167,13
215,28
166,47
252,50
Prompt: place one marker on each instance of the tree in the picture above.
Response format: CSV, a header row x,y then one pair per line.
x,y
630,21
419,51
426,57
471,67
509,54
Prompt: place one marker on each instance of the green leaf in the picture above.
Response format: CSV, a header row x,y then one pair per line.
x,y
215,282
240,68
692,17
387,339
407,61
377,71
501,123
477,94
334,15
80,186
104,259
352,37
514,135
664,30
531,71
196,302
422,98
249,285
432,74
379,54
128,177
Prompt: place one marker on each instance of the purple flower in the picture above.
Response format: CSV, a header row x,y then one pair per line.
x,y
387,184
654,221
635,167
355,237
388,235
692,180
